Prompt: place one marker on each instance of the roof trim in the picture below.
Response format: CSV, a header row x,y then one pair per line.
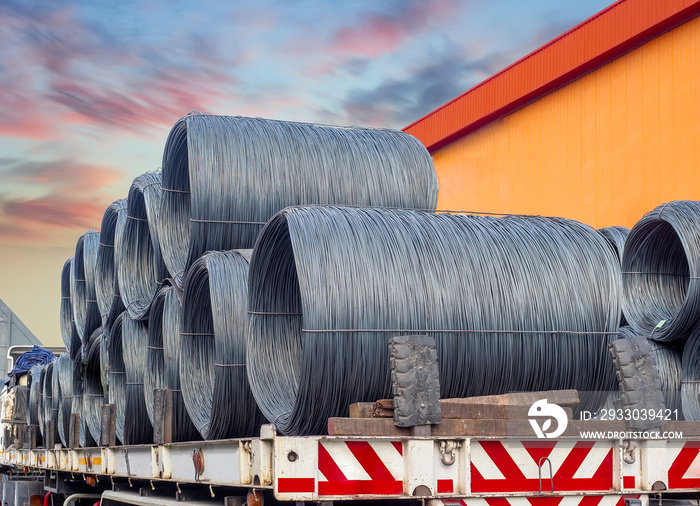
x,y
607,35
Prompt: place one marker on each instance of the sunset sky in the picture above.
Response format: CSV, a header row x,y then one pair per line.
x,y
90,89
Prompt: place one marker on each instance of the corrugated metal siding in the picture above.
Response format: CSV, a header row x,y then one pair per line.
x,y
603,150
596,41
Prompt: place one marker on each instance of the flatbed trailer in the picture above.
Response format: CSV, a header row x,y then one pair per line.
x,y
493,471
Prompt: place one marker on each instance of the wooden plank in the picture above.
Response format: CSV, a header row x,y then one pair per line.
x,y
384,404
108,437
361,410
562,398
50,434
463,427
163,411
74,431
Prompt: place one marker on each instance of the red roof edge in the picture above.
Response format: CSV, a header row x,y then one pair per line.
x,y
552,66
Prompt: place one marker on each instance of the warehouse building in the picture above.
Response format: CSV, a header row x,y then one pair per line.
x,y
600,125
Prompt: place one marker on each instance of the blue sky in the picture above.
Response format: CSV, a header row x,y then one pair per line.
x,y
90,89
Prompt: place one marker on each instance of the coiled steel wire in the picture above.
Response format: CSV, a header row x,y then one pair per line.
x,y
617,236
690,381
661,272
117,374
137,426
104,362
93,393
83,296
63,389
35,401
69,333
41,408
50,402
163,360
668,358
114,218
514,303
85,439
213,347
224,177
140,267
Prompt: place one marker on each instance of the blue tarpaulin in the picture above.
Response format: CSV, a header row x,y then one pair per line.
x,y
36,356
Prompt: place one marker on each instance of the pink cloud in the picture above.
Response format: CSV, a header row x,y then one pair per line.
x,y
54,211
376,35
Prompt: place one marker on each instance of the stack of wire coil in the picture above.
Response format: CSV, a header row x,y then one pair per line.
x,y
163,361
137,426
225,176
213,347
69,333
83,296
514,303
63,390
661,272
93,393
106,266
117,375
140,268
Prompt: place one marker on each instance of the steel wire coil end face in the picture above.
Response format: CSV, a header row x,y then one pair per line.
x,y
93,394
137,426
63,392
163,360
140,267
86,314
113,218
117,374
669,359
224,177
85,439
661,272
41,406
213,347
514,304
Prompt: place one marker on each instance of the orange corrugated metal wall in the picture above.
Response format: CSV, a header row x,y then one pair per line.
x,y
603,150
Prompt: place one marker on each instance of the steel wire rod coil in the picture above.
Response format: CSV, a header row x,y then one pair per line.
x,y
93,393
163,360
140,267
104,362
690,381
63,386
85,439
117,374
69,333
34,403
113,218
514,303
669,360
41,408
224,177
50,402
661,272
617,236
213,347
83,296
137,426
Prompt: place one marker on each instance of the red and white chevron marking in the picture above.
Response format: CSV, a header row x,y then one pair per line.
x,y
360,467
571,500
684,471
512,466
